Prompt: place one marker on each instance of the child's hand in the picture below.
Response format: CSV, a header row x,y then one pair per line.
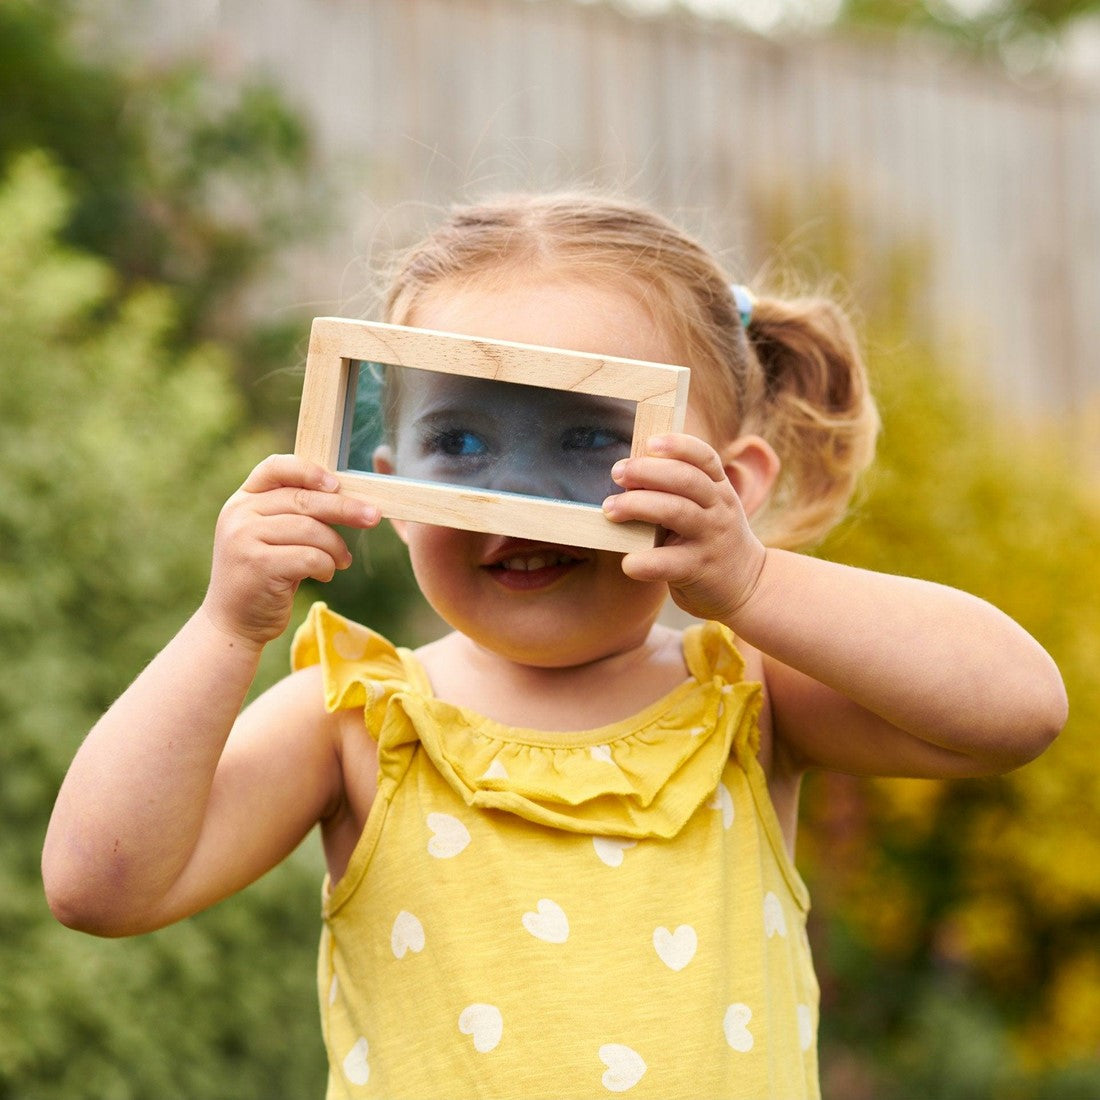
x,y
272,534
709,556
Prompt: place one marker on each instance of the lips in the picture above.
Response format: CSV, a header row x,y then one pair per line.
x,y
524,567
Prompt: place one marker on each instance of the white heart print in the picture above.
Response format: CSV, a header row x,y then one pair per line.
x,y
356,1066
723,801
496,770
610,849
548,922
601,753
407,935
675,949
736,1027
775,923
484,1023
624,1067
805,1027
449,836
349,645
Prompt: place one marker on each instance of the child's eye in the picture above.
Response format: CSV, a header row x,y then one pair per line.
x,y
457,442
592,439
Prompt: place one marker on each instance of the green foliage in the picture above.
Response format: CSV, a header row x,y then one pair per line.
x,y
959,922
1019,37
162,196
54,100
1008,15
176,179
116,450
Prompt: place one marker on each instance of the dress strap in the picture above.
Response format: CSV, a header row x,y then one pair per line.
x,y
710,651
358,664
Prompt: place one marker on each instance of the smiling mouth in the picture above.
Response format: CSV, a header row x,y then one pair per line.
x,y
536,567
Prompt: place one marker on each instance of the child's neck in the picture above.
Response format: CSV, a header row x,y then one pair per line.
x,y
577,697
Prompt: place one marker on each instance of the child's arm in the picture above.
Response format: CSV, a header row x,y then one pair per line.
x,y
887,675
162,811
865,672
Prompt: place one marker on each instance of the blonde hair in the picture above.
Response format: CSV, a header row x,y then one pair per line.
x,y
794,376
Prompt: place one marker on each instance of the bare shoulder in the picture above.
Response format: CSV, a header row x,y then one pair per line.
x,y
296,701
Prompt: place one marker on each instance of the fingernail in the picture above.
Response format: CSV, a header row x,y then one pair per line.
x,y
330,483
618,470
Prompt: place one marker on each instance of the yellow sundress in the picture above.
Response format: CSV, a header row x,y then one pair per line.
x,y
562,915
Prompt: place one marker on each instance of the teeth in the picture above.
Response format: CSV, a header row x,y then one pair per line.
x,y
524,565
528,565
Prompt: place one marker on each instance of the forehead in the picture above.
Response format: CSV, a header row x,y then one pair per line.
x,y
555,311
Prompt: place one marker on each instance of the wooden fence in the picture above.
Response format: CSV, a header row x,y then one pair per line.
x,y
417,102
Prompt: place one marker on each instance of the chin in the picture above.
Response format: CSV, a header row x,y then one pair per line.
x,y
557,650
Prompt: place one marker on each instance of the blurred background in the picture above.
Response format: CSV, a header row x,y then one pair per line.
x,y
184,186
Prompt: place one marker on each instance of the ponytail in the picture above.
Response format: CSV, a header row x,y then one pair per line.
x,y
816,410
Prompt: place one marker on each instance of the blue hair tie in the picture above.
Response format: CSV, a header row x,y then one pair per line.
x,y
745,301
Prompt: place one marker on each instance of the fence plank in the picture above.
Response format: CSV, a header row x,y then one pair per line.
x,y
421,101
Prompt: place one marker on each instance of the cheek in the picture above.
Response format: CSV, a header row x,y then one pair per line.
x,y
420,538
401,529
436,553
434,579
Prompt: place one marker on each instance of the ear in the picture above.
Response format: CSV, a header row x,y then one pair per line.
x,y
383,462
752,466
382,459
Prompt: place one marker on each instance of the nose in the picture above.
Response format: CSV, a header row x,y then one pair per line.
x,y
521,470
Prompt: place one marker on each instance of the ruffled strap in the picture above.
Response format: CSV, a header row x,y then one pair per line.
x,y
712,656
710,650
359,668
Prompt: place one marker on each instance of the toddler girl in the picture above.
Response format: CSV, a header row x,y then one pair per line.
x,y
559,838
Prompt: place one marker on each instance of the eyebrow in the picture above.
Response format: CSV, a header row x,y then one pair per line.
x,y
450,413
590,403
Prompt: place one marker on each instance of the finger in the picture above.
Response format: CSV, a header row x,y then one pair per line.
x,y
670,564
274,546
687,448
343,509
277,471
662,509
290,565
672,476
681,464
306,533
638,566
319,566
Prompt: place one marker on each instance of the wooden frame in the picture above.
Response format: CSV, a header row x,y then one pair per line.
x,y
659,389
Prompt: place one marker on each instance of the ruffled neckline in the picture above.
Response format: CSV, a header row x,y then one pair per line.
x,y
640,777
